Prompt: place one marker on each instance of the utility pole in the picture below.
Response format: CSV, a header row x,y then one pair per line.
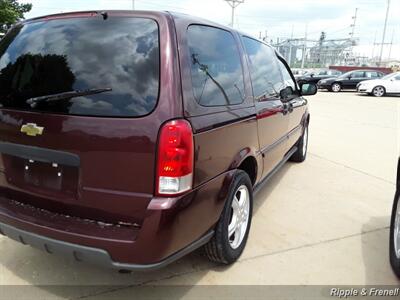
x,y
233,4
353,26
133,4
304,47
384,32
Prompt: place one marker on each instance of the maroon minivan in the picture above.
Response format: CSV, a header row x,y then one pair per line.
x,y
129,139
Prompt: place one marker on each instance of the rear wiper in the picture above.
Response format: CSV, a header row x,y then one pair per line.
x,y
33,102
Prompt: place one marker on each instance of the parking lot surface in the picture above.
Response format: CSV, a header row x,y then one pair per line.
x,y
321,222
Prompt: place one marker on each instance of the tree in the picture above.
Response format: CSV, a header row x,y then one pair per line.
x,y
11,11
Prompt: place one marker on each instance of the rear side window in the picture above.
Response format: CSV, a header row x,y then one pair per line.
x,y
216,69
48,57
372,74
265,71
358,75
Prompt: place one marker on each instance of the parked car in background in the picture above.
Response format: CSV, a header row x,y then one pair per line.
x,y
317,75
349,80
389,84
133,150
394,238
300,72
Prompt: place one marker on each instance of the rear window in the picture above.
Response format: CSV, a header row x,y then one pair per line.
x,y
50,57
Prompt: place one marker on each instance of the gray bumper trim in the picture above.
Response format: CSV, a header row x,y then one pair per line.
x,y
91,255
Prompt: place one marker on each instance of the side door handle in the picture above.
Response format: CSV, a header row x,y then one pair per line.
x,y
290,109
287,108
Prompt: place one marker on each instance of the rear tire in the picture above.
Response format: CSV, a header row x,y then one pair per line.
x,y
226,248
302,146
394,232
379,91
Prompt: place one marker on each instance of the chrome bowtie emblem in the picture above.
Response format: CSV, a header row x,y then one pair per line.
x,y
31,129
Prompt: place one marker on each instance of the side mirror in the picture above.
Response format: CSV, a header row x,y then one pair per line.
x,y
308,89
286,92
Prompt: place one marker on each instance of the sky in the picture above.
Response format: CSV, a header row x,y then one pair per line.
x,y
279,18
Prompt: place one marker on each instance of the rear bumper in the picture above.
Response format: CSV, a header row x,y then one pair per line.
x,y
92,255
164,235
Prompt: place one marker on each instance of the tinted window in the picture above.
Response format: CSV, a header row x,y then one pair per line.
x,y
49,57
265,72
372,74
333,72
357,75
217,75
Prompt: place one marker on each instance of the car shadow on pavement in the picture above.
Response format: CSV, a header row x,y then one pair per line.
x,y
375,251
55,276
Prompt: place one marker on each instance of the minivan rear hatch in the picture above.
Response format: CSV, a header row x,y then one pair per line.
x,y
76,95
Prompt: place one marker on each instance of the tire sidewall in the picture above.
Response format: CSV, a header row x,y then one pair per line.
x,y
394,261
299,156
240,178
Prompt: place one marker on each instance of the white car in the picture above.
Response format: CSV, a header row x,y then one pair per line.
x,y
389,84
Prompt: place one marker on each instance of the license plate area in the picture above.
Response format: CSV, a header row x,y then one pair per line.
x,y
34,175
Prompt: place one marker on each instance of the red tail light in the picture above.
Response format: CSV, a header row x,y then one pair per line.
x,y
175,158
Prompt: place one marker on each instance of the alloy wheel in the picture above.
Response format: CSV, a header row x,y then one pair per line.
x,y
396,231
240,211
336,87
305,141
378,91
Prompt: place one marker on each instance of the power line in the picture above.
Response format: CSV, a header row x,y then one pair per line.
x,y
233,4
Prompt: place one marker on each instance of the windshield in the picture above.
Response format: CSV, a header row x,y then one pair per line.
x,y
63,55
389,76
